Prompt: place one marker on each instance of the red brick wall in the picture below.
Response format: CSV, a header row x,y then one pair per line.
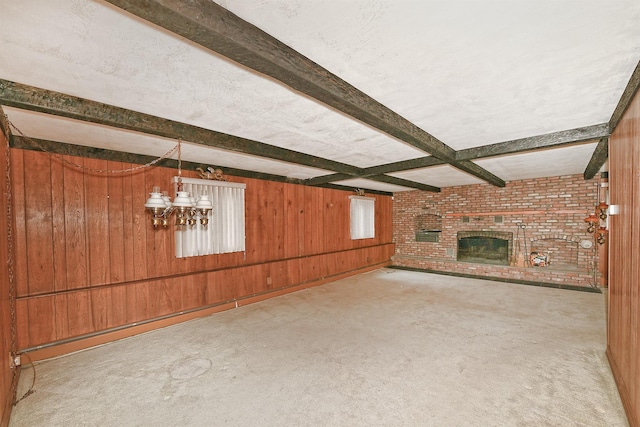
x,y
553,210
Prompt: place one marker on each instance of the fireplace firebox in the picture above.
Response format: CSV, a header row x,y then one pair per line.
x,y
486,247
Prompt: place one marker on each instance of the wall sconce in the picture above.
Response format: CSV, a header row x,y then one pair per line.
x,y
187,209
602,208
602,235
592,220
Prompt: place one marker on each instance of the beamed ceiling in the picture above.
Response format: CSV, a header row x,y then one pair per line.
x,y
384,95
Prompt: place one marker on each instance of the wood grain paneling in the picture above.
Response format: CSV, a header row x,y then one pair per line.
x,y
22,322
276,206
94,262
295,221
20,229
39,227
313,220
61,316
129,219
132,313
75,225
8,376
116,213
41,323
623,338
96,191
58,226
140,191
79,313
194,291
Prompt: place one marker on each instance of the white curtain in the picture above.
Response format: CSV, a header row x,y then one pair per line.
x,y
225,231
363,217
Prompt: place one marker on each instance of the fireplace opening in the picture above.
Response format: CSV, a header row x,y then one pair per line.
x,y
486,247
561,252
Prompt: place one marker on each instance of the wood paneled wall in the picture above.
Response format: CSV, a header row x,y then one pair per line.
x,y
89,259
8,376
623,347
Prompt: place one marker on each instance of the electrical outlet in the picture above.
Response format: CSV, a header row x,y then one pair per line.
x,y
14,360
268,280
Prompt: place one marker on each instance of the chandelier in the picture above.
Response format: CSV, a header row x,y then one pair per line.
x,y
188,209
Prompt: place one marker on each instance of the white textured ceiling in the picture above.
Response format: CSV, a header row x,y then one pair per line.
x,y
469,72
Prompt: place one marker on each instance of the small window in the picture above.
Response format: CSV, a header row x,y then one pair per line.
x,y
363,217
225,231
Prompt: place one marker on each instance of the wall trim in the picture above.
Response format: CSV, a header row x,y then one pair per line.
x,y
191,273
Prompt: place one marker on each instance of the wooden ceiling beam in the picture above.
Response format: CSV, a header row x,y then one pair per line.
x,y
523,145
58,104
60,148
625,100
419,163
601,153
599,157
404,183
4,124
326,179
213,27
533,143
35,99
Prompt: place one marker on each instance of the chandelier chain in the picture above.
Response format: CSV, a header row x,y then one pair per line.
x,y
166,155
13,345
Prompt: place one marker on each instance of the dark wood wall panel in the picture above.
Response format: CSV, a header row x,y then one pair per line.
x,y
92,260
623,347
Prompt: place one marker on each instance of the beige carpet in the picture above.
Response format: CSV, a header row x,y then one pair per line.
x,y
386,348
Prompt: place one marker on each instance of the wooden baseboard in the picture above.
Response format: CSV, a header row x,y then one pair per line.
x,y
84,342
629,408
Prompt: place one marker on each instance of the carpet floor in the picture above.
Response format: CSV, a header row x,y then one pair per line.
x,y
384,348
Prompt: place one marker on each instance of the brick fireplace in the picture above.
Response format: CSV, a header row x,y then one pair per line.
x,y
481,230
485,247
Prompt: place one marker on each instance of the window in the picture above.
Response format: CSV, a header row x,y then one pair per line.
x,y
225,231
363,216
